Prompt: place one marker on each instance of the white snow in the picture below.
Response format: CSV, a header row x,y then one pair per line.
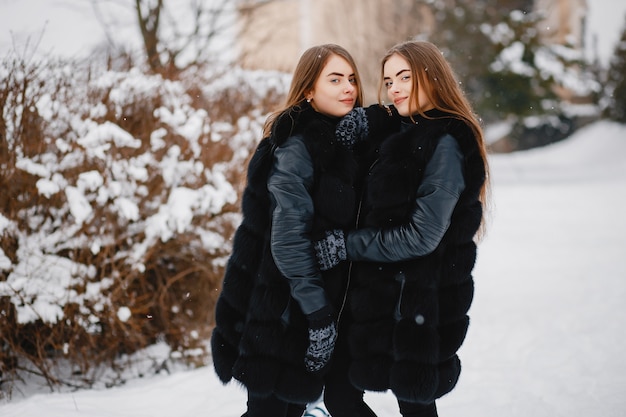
x,y
79,205
124,313
98,140
38,296
547,336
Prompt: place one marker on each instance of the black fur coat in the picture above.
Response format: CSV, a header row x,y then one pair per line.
x,y
261,334
410,318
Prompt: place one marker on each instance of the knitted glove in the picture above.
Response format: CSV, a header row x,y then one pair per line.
x,y
330,250
352,128
322,338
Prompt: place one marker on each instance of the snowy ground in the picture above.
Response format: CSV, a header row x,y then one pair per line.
x,y
548,335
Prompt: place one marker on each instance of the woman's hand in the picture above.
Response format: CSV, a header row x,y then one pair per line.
x,y
330,250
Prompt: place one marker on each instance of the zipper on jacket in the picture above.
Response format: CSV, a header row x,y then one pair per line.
x,y
356,225
345,294
349,277
402,279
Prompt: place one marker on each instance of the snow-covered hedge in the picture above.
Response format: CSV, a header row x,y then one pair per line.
x,y
119,195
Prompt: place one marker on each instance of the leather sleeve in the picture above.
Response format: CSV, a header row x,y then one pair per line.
x,y
437,195
289,185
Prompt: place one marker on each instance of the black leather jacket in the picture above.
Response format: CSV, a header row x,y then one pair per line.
x,y
290,186
311,189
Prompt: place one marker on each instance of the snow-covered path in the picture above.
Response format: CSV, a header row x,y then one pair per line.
x,y
548,335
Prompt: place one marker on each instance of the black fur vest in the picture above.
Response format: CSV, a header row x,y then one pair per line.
x,y
410,318
252,341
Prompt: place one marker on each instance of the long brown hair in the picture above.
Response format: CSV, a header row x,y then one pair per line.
x,y
430,69
305,75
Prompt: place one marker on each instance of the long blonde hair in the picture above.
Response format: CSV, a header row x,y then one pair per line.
x,y
430,69
305,76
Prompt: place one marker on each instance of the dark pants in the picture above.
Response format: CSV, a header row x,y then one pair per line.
x,y
272,407
417,410
341,398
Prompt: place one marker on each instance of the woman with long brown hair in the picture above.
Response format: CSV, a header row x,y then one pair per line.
x,y
276,315
424,197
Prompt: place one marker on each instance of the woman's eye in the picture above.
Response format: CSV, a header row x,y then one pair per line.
x,y
352,81
406,77
388,84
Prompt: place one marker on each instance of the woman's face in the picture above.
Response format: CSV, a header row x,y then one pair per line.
x,y
335,91
397,79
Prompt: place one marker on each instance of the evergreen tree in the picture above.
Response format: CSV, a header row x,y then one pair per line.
x,y
616,82
497,52
513,84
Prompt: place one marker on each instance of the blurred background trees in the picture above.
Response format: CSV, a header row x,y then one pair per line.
x,y
614,101
173,34
523,63
521,77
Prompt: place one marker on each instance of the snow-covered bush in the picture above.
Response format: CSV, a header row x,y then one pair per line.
x,y
119,195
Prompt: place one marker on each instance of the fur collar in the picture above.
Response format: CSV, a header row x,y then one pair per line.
x,y
437,123
302,119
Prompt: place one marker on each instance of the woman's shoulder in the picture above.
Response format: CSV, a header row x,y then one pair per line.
x,y
436,124
301,121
